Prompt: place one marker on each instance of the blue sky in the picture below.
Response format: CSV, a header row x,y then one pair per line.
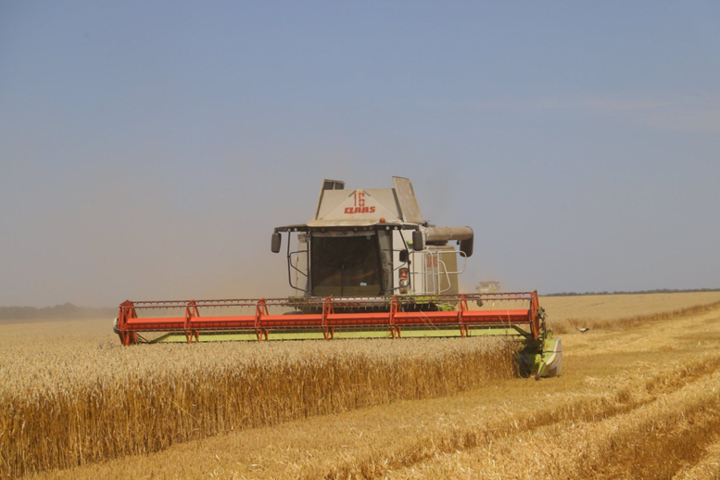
x,y
148,148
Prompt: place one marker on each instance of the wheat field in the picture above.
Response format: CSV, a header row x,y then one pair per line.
x,y
639,398
63,404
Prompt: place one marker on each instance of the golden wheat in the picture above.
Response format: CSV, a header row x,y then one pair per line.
x,y
63,406
650,380
625,432
606,309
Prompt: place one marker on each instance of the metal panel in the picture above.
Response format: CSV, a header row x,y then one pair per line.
x,y
409,207
347,207
328,185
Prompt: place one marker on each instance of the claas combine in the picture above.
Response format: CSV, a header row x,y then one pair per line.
x,y
367,266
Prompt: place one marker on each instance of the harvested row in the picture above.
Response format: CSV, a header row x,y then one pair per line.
x,y
658,416
126,404
586,409
568,325
612,307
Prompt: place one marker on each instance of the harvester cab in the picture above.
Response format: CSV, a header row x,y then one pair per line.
x,y
366,266
369,243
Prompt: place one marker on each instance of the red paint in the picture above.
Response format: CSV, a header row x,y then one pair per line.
x,y
325,319
352,210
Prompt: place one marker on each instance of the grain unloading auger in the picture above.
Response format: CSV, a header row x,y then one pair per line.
x,y
368,265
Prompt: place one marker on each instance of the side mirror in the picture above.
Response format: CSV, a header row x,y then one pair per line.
x,y
418,241
466,246
403,256
276,242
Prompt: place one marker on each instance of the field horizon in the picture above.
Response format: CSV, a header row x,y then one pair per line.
x,y
71,311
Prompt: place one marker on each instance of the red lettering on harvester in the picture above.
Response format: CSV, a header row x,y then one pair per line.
x,y
359,205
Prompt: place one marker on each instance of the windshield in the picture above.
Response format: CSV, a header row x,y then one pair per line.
x,y
346,266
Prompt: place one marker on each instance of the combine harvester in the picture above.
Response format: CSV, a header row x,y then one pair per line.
x,y
368,265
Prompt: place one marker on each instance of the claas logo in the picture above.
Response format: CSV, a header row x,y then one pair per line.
x,y
360,206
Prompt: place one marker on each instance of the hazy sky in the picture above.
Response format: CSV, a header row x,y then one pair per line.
x,y
148,148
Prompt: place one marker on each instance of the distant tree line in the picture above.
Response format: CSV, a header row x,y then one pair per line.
x,y
61,312
635,292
